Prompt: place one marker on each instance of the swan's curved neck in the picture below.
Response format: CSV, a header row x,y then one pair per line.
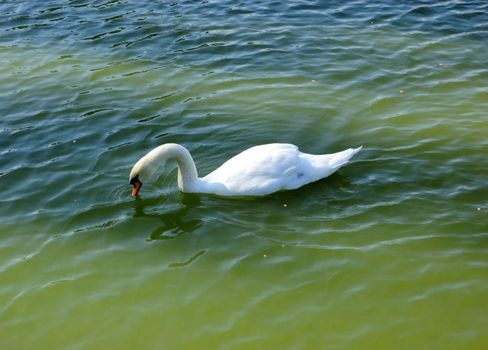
x,y
187,171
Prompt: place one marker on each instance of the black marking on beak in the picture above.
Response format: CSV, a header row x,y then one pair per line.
x,y
134,180
137,185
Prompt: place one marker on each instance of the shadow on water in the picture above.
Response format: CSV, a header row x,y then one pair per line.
x,y
175,221
188,261
170,215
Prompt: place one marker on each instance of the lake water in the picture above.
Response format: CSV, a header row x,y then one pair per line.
x,y
391,252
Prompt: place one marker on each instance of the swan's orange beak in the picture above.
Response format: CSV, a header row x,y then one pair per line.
x,y
137,186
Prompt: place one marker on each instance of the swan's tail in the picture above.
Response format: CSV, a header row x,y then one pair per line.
x,y
340,158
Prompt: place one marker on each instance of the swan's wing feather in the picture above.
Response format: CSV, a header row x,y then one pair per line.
x,y
260,170
269,168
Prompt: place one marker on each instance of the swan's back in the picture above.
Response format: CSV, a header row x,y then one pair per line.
x,y
264,169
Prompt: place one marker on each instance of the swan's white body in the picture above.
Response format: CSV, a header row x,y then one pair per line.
x,y
257,171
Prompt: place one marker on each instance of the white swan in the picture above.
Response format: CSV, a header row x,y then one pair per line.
x,y
257,171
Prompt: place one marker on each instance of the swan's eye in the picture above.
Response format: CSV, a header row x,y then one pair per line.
x,y
134,180
137,185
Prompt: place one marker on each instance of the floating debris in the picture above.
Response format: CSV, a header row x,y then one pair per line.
x,y
402,91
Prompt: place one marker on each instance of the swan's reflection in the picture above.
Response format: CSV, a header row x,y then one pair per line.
x,y
176,221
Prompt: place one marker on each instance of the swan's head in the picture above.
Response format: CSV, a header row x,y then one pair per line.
x,y
141,172
137,185
146,167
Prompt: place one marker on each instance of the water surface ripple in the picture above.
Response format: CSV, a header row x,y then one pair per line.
x,y
390,252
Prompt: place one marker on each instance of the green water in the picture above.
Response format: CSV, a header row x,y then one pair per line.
x,y
391,252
